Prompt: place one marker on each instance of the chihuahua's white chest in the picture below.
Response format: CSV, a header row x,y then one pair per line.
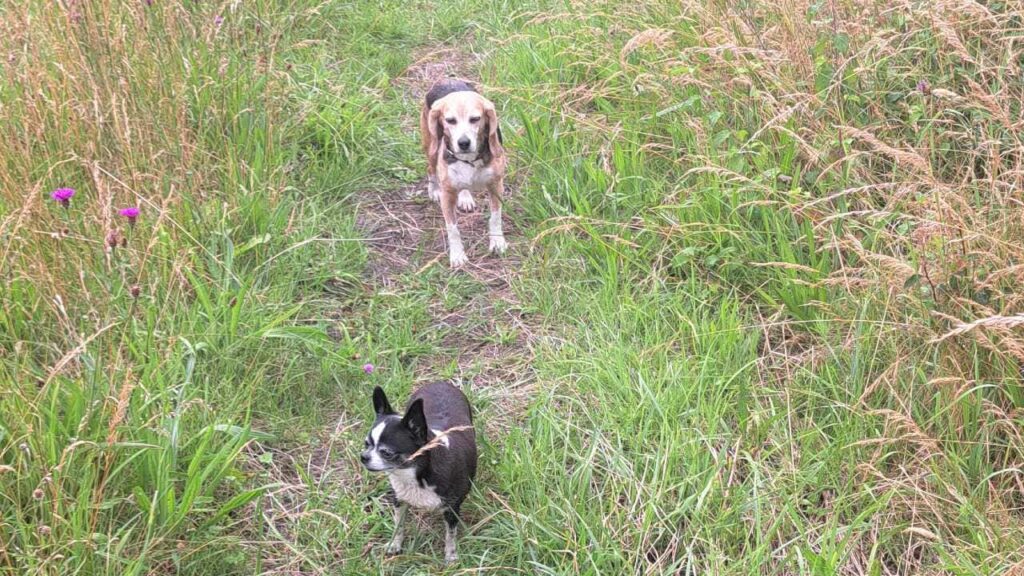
x,y
408,490
463,176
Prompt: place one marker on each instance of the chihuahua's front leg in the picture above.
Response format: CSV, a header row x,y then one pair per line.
x,y
451,522
395,546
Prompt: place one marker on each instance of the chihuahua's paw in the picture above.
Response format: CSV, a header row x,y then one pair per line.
x,y
393,548
465,201
450,558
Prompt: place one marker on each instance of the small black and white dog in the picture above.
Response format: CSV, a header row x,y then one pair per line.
x,y
429,455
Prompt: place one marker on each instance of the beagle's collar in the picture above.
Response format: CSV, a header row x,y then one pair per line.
x,y
452,157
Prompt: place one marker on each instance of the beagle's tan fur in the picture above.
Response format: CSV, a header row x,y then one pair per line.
x,y
463,145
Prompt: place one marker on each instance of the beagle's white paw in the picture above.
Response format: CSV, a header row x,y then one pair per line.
x,y
457,258
466,202
433,191
498,245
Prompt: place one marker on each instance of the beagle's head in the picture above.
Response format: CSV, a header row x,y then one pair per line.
x,y
466,123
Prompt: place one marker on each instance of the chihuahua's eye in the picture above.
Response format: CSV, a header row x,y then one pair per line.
x,y
367,443
385,453
474,119
450,121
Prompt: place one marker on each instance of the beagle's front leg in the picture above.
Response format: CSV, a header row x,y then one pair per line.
x,y
456,252
498,244
433,188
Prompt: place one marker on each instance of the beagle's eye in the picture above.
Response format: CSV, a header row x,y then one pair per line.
x,y
474,119
450,121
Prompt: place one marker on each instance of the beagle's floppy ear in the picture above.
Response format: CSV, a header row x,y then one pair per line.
x,y
436,132
493,131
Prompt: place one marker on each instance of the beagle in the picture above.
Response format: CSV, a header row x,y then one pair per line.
x,y
463,145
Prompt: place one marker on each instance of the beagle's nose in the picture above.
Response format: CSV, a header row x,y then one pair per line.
x,y
463,143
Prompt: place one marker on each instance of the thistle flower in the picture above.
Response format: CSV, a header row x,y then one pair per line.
x,y
63,195
135,290
218,20
112,239
131,213
368,368
37,494
923,87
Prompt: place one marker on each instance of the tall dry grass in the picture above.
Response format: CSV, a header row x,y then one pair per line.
x,y
119,338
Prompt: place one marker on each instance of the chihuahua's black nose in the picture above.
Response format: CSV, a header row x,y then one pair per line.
x,y
364,457
463,143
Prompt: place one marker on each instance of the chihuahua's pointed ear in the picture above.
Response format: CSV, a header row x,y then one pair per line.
x,y
494,140
415,421
380,402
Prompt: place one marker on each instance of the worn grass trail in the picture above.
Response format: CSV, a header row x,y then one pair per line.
x,y
470,327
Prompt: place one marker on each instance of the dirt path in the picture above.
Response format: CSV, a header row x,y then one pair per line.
x,y
487,337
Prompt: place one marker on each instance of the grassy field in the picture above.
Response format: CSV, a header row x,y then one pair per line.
x,y
762,314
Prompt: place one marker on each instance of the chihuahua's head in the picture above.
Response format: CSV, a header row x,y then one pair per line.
x,y
393,438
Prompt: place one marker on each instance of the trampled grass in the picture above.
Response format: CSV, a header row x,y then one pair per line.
x,y
763,317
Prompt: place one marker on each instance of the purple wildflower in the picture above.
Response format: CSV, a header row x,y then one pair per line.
x,y
131,213
147,2
63,195
218,20
368,368
923,87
